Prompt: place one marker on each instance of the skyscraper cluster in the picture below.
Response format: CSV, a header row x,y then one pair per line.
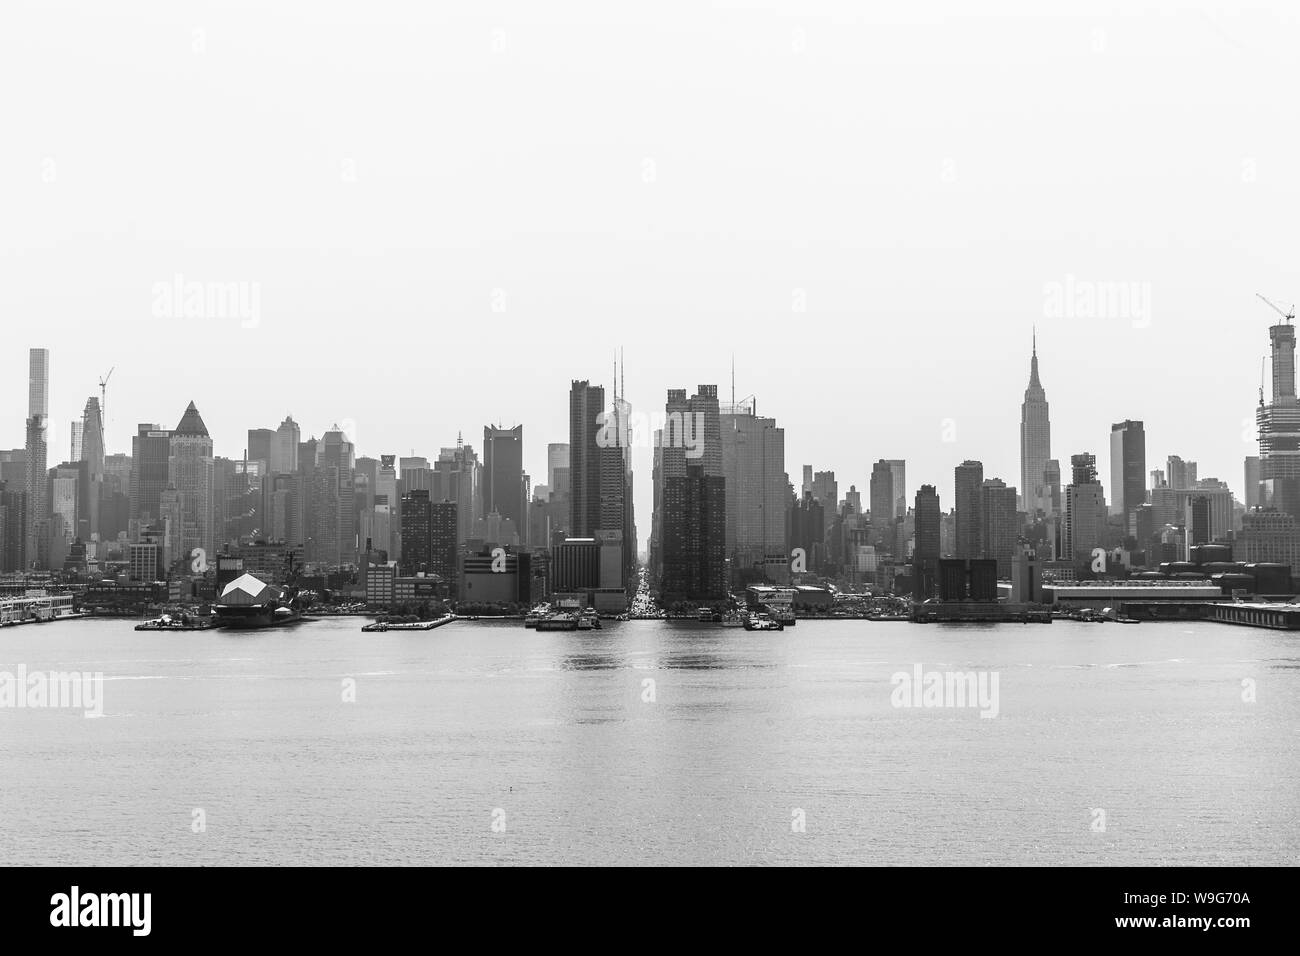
x,y
725,514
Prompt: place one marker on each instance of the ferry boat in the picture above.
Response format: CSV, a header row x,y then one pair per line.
x,y
560,621
762,622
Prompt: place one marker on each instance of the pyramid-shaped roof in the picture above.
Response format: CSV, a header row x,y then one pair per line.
x,y
191,423
247,589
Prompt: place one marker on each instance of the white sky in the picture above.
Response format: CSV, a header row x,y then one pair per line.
x,y
920,171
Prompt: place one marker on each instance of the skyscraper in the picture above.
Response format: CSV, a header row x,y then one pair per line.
x,y
336,517
827,490
999,524
284,448
1279,428
882,505
503,476
150,453
586,405
1085,511
1035,442
458,477
753,463
190,470
692,525
92,453
417,525
926,553
38,414
968,477
617,526
1128,468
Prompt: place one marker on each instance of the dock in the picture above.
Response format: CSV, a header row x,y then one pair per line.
x,y
408,625
979,612
1279,617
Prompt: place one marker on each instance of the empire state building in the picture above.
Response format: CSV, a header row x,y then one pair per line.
x,y
1035,443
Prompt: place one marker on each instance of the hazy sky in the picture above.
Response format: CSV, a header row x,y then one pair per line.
x,y
447,212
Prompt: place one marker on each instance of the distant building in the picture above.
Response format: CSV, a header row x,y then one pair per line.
x,y
826,490
926,554
882,505
190,471
458,477
1252,482
444,550
1180,474
999,525
502,578
417,525
1035,444
1052,483
1128,468
284,448
38,415
1085,511
575,565
753,463
805,522
557,457
968,580
968,479
1169,507
1279,428
504,491
1270,537
150,463
259,446
692,501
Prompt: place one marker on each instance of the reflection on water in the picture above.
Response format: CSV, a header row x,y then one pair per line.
x,y
649,742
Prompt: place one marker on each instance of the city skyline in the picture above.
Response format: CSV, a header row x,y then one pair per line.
x,y
535,460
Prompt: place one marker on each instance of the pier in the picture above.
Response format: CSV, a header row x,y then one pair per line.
x,y
35,607
408,625
1279,617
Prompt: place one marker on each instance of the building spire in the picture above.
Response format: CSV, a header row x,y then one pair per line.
x,y
1033,364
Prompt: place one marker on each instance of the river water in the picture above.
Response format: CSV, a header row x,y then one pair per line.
x,y
652,742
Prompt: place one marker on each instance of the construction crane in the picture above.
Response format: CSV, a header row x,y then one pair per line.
x,y
1288,315
103,400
